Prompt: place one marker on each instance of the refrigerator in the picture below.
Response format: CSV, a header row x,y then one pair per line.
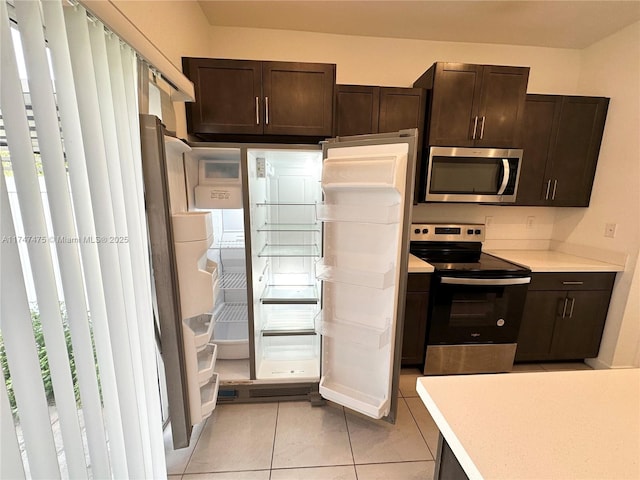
x,y
296,274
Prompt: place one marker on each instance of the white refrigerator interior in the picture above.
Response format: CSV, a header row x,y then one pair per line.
x,y
214,185
364,198
284,188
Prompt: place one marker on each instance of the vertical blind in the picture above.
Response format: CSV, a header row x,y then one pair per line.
x,y
84,250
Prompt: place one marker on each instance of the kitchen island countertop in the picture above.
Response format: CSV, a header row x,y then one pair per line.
x,y
545,425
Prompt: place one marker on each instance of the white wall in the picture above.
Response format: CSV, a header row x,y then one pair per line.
x,y
611,68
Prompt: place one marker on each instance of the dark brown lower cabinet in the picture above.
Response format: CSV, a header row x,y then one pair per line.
x,y
564,316
415,319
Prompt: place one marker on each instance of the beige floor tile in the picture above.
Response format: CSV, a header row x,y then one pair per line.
x,y
408,377
236,437
561,366
396,471
309,436
427,426
177,459
527,367
174,477
247,475
345,472
376,441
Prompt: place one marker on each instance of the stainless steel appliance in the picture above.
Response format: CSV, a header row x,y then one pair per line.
x,y
476,301
472,175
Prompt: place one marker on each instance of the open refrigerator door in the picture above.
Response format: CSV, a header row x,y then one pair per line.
x,y
367,184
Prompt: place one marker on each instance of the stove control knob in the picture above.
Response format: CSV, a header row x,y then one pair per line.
x,y
470,232
478,232
425,230
416,231
500,322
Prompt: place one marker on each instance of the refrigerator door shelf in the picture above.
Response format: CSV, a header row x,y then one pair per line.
x,y
289,251
198,330
386,214
356,270
357,400
358,173
207,362
290,294
208,399
341,330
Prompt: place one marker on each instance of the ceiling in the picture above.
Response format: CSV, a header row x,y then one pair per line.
x,y
547,23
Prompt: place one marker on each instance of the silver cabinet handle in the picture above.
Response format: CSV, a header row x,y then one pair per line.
x,y
564,309
266,109
555,185
482,128
572,283
257,111
475,127
573,302
485,281
546,197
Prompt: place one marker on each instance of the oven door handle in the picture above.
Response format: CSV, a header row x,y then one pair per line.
x,y
506,173
485,281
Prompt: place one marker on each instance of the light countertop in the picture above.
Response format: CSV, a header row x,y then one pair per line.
x,y
540,425
419,266
554,261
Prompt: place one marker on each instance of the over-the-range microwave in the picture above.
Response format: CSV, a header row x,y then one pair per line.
x,y
472,175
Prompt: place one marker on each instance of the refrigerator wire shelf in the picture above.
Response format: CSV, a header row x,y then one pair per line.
x,y
228,240
231,312
230,281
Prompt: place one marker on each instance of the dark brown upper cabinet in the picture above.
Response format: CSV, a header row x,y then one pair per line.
x,y
561,141
474,105
362,109
260,98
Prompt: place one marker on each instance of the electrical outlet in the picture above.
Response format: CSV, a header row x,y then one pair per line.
x,y
530,221
610,230
488,220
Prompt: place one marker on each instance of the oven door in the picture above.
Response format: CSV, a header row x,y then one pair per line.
x,y
476,310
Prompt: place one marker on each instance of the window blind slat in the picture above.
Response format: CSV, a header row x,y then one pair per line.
x,y
28,191
137,247
55,176
99,179
82,203
20,348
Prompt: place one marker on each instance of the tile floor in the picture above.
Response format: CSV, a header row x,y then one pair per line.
x,y
295,441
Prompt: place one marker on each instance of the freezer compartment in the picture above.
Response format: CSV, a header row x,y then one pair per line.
x,y
294,357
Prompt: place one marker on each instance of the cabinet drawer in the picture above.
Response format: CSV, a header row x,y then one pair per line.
x,y
572,281
419,282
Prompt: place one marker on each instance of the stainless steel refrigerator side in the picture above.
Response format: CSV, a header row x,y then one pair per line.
x,y
165,277
246,206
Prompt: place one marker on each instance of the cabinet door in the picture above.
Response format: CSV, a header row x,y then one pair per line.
x,y
578,333
228,94
540,124
357,110
453,113
575,154
298,98
536,330
501,106
414,336
401,108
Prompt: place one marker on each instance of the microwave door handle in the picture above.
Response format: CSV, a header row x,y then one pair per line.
x,y
485,281
506,173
